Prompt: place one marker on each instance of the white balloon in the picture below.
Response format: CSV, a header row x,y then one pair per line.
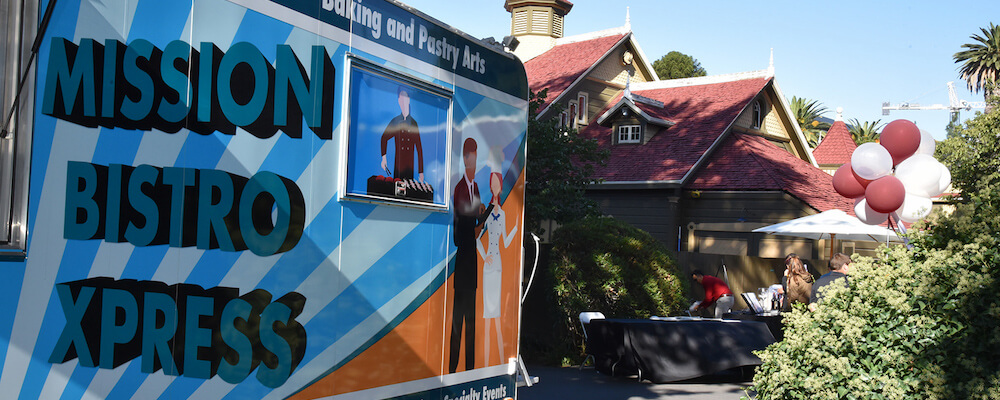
x,y
866,214
927,143
871,161
914,208
945,181
920,174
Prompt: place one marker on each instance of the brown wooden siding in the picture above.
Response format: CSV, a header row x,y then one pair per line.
x,y
766,207
718,230
599,95
649,210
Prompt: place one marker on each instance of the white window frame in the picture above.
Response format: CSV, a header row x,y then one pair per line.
x,y
757,115
573,109
15,149
582,99
629,134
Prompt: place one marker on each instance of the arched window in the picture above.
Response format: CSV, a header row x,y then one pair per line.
x,y
573,111
758,114
583,102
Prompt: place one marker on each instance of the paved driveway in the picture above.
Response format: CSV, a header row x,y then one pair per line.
x,y
588,384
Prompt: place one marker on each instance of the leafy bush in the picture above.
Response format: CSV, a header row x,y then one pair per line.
x,y
916,323
602,264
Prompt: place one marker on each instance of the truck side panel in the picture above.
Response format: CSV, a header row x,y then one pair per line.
x,y
267,199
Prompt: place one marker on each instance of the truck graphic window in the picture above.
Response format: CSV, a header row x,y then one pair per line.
x,y
397,138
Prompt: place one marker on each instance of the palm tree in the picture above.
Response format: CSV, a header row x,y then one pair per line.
x,y
807,113
981,62
864,132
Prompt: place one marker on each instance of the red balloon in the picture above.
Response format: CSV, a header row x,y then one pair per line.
x,y
847,183
902,138
885,194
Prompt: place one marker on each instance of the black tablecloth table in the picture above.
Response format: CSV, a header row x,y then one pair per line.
x,y
669,351
773,322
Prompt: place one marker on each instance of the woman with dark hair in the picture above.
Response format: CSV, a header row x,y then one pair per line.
x,y
798,282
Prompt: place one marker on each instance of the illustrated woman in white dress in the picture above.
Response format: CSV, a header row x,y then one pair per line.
x,y
492,266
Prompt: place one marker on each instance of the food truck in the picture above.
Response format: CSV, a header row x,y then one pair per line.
x,y
257,199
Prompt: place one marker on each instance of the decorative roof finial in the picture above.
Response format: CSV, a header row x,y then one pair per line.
x,y
628,20
840,113
770,64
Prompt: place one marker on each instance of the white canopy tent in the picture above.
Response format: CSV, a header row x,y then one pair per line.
x,y
832,224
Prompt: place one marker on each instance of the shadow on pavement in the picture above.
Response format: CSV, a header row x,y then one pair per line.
x,y
588,384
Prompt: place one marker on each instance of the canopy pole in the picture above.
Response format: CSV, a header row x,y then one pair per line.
x,y
833,238
892,226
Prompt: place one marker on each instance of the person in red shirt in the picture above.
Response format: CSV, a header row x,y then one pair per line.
x,y
716,293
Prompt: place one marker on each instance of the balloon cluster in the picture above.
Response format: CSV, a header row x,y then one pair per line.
x,y
898,175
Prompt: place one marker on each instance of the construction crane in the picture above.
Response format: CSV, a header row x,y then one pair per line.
x,y
954,104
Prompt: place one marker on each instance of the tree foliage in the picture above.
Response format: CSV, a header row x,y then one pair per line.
x,y
864,131
981,61
602,264
807,113
920,321
676,65
905,329
971,153
560,165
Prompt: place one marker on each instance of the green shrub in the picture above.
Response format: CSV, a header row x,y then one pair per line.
x,y
602,264
916,324
921,321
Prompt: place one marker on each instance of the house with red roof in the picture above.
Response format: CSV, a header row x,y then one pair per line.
x,y
697,162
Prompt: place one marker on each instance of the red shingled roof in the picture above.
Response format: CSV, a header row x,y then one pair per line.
x,y
559,67
749,162
837,147
701,113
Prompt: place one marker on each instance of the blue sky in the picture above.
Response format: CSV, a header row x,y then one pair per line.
x,y
850,54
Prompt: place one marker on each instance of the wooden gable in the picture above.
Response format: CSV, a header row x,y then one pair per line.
x,y
608,78
600,81
776,124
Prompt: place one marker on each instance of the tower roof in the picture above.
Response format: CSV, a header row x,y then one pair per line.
x,y
837,147
562,5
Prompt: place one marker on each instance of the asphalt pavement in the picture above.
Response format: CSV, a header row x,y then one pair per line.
x,y
588,384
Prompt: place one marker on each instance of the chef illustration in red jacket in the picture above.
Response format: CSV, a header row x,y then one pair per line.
x,y
404,132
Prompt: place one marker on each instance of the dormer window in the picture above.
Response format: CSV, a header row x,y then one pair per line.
x,y
582,99
629,134
630,123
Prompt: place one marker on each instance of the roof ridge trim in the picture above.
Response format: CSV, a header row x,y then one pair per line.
x,y
701,80
583,37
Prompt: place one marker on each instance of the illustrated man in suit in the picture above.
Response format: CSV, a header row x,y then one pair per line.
x,y
470,213
404,131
